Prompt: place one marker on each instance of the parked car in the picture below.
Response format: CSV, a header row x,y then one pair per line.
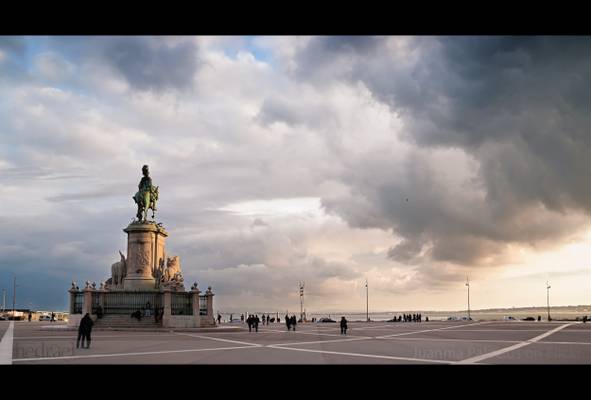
x,y
466,318
529,319
45,318
3,317
509,318
325,320
452,318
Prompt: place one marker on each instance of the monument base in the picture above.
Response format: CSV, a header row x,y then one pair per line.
x,y
145,254
136,283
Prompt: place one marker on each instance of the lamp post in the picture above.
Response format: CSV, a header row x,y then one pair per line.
x,y
13,297
548,299
468,284
366,301
3,300
302,301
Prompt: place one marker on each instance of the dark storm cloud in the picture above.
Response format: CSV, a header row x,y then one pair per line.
x,y
12,58
47,252
146,63
325,51
516,107
13,45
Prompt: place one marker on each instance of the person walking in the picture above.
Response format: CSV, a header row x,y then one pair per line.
x,y
30,316
84,330
52,317
288,322
219,319
249,322
294,322
256,323
242,318
343,326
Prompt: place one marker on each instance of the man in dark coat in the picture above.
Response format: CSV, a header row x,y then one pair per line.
x,y
256,323
294,322
288,322
343,326
84,330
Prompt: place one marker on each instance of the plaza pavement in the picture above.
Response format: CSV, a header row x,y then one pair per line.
x,y
454,342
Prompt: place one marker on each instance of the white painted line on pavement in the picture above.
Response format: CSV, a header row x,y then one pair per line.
x,y
6,345
147,353
218,339
366,355
371,327
453,340
319,341
511,348
584,343
93,335
500,330
308,333
427,330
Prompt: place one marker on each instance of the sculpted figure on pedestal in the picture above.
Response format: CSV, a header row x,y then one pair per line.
x,y
118,271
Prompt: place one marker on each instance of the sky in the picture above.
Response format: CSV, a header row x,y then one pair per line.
x,y
412,162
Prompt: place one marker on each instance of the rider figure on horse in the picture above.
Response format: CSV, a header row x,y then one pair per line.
x,y
147,195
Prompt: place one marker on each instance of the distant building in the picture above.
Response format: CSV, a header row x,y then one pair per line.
x,y
21,314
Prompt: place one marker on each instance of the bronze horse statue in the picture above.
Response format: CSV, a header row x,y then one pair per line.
x,y
146,196
145,201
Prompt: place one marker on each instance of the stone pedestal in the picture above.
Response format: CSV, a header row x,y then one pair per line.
x,y
195,293
87,304
145,250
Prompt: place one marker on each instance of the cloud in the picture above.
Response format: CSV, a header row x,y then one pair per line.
x,y
431,156
497,130
52,67
13,50
153,65
156,64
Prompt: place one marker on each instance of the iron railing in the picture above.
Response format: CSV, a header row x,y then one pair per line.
x,y
203,305
127,303
181,304
76,307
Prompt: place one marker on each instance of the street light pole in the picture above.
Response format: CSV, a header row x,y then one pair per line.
x,y
468,284
548,299
3,300
366,301
302,301
13,297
